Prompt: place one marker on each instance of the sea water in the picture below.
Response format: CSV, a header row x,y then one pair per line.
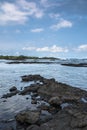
x,y
10,74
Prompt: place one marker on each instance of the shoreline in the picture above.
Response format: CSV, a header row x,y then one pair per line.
x,y
23,57
75,65
49,62
59,100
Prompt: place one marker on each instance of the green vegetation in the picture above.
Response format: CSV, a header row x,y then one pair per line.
x,y
50,58
13,57
22,57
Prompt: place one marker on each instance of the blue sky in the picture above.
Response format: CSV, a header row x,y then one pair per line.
x,y
44,28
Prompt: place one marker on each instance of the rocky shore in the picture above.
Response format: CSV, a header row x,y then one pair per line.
x,y
75,65
63,107
48,62
31,62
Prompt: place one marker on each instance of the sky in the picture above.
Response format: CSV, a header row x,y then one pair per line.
x,y
56,28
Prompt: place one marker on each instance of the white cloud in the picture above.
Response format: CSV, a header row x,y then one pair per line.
x,y
56,16
43,49
31,8
29,48
10,12
19,11
53,49
62,24
37,30
82,48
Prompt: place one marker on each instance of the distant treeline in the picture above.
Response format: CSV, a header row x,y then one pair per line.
x,y
22,57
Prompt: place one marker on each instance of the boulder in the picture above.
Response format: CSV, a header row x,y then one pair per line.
x,y
79,118
13,89
60,121
28,116
55,101
27,78
44,117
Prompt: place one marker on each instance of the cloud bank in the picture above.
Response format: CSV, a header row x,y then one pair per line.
x,y
53,49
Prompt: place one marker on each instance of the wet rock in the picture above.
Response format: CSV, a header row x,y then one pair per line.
x,y
10,94
52,80
28,116
79,123
27,78
75,65
34,94
34,102
66,121
33,127
20,129
33,98
59,122
25,91
65,92
44,117
79,118
13,89
32,88
20,126
8,128
45,127
27,98
67,108
43,107
53,110
55,101
70,99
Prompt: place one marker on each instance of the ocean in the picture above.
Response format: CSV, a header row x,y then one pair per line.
x,y
10,74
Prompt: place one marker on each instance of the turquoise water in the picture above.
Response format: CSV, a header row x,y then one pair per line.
x,y
10,74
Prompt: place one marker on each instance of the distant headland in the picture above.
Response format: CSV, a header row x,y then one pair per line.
x,y
22,57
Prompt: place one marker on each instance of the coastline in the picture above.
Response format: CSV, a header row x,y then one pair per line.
x,y
62,102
